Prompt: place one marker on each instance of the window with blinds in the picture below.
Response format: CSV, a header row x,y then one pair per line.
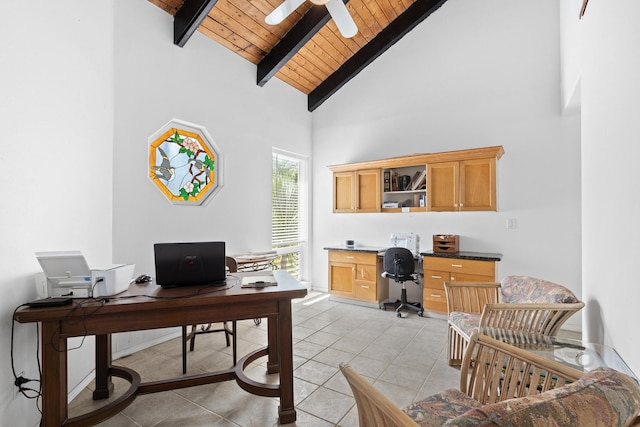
x,y
287,213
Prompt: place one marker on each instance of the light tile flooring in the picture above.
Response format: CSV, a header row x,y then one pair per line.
x,y
405,358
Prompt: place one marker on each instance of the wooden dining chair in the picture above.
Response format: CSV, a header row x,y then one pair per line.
x,y
229,330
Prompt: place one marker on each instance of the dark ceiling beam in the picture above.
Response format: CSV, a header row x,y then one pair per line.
x,y
188,18
407,21
310,23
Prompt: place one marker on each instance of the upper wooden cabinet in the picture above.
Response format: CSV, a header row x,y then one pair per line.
x,y
357,191
463,180
467,185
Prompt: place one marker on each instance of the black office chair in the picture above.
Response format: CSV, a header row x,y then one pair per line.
x,y
229,332
400,265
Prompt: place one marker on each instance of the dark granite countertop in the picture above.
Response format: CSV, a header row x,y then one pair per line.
x,y
356,248
478,256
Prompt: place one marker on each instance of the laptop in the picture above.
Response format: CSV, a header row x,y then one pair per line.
x,y
187,264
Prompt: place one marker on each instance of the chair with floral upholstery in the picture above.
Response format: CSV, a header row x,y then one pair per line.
x,y
501,385
519,303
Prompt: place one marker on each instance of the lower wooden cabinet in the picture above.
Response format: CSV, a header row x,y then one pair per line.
x,y
438,270
357,275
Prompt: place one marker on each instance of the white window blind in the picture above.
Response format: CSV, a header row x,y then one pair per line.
x,y
285,198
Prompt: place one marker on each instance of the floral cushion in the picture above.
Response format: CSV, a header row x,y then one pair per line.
x,y
465,322
524,289
602,397
437,409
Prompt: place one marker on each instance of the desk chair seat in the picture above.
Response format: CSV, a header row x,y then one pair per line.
x,y
229,331
400,265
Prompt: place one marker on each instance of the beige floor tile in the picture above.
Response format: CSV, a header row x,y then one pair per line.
x,y
404,358
327,404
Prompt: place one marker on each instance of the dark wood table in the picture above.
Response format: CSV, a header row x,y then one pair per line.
x,y
148,306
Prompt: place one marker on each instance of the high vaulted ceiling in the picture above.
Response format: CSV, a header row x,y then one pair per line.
x,y
306,50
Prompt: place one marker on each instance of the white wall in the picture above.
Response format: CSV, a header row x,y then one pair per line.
x,y
56,115
472,75
202,83
610,150
570,55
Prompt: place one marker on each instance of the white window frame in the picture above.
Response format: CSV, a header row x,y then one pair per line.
x,y
304,211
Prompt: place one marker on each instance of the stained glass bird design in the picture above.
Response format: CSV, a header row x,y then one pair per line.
x,y
165,170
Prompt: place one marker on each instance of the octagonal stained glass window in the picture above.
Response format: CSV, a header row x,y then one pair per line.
x,y
184,163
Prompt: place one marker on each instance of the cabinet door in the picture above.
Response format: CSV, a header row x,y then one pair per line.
x,y
478,185
442,186
368,193
341,279
365,284
433,294
343,196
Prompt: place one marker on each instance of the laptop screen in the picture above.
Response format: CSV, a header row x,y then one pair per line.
x,y
194,263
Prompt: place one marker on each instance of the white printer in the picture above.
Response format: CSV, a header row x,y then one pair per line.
x,y
410,241
66,273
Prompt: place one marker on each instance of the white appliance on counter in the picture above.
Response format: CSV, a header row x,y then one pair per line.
x,y
66,273
410,241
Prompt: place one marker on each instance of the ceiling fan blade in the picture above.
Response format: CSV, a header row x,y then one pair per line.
x,y
341,16
281,12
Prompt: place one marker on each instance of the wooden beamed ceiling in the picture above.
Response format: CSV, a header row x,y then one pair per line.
x,y
305,51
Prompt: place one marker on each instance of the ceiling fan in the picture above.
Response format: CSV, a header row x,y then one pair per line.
x,y
337,9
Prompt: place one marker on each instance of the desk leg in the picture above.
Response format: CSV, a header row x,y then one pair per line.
x,y
286,412
273,363
54,375
104,385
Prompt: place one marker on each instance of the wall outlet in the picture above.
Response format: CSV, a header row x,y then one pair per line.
x,y
512,224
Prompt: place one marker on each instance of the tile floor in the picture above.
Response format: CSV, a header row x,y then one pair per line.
x,y
404,357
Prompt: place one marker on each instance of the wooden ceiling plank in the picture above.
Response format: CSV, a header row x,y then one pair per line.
x,y
347,46
188,18
229,16
388,10
170,7
319,67
291,82
370,19
291,73
290,44
254,21
306,69
225,17
414,15
251,11
220,34
267,6
378,14
322,54
364,29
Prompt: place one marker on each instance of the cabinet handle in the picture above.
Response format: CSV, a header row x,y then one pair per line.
x,y
453,279
364,286
362,272
436,296
456,265
461,205
436,277
350,257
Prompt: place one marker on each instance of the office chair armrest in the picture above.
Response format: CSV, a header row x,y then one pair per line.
x,y
470,297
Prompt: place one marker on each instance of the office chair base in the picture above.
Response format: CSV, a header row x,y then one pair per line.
x,y
400,304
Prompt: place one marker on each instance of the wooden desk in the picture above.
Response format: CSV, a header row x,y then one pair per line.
x,y
148,306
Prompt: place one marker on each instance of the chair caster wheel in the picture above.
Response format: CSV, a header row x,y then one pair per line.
x,y
399,314
421,313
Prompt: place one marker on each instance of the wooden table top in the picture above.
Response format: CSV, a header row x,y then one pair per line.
x,y
150,297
